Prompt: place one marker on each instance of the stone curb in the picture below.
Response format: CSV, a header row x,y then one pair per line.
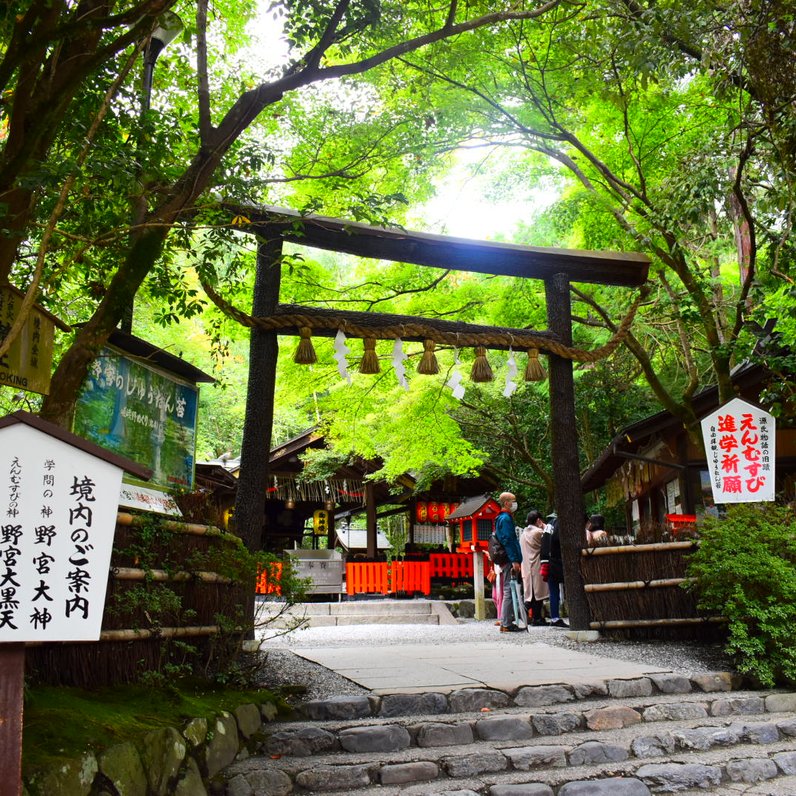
x,y
296,742
467,700
167,761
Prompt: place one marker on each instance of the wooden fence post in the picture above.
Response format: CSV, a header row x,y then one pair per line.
x,y
478,584
12,677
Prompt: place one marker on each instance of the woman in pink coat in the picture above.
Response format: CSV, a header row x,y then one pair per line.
x,y
535,589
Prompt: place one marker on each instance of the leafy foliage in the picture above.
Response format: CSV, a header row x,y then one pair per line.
x,y
658,123
746,570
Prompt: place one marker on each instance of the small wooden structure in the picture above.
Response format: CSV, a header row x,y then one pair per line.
x,y
292,502
430,518
475,521
660,475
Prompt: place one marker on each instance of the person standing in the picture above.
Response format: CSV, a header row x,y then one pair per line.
x,y
595,530
552,568
535,589
497,589
506,532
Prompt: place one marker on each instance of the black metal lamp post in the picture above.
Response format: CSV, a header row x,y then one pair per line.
x,y
169,27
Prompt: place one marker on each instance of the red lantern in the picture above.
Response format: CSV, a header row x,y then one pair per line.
x,y
433,512
421,511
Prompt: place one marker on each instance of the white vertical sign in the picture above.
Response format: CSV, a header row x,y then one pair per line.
x,y
58,508
740,447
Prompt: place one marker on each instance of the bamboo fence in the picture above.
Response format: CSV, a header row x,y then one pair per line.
x,y
160,612
641,590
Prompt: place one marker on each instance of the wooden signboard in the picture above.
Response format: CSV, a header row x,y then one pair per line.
x,y
739,442
28,363
58,507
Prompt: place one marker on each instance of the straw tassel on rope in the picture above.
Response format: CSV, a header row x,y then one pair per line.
x,y
305,353
533,369
428,364
482,371
370,360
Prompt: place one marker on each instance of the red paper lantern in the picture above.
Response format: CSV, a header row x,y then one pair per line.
x,y
433,511
421,511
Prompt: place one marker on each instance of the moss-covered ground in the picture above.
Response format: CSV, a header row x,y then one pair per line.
x,y
63,723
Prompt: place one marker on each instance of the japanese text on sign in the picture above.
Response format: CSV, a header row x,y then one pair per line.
x,y
740,446
56,531
142,413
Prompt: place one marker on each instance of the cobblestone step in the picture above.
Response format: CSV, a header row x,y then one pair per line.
x,y
662,733
350,612
720,688
543,768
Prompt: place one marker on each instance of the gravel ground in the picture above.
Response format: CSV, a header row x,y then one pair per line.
x,y
282,667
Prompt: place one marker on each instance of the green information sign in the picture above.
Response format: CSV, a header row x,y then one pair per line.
x,y
142,413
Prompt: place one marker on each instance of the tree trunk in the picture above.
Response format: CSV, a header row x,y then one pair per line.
x,y
564,436
58,407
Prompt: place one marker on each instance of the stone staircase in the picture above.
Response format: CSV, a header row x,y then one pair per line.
x,y
662,733
358,612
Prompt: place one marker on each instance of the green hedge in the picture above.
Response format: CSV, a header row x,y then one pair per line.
x,y
746,570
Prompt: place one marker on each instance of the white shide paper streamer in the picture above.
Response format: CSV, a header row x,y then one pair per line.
x,y
455,381
398,357
341,351
511,375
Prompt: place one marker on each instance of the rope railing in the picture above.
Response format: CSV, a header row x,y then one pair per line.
x,y
291,319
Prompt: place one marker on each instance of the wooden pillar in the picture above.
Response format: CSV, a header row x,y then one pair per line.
x,y
686,479
370,514
566,466
331,536
256,444
12,679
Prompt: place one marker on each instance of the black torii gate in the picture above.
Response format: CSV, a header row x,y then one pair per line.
x,y
556,267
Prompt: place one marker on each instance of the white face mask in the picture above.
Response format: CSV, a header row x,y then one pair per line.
x,y
514,505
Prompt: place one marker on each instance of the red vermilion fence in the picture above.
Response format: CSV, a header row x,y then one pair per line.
x,y
379,577
411,576
454,566
268,581
367,577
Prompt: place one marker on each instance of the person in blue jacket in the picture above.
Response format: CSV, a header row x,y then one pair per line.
x,y
507,534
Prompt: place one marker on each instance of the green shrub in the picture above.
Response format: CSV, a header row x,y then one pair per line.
x,y
745,570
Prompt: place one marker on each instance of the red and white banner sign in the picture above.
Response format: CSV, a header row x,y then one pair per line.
x,y
740,446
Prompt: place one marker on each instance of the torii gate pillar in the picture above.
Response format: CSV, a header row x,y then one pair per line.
x,y
263,354
567,490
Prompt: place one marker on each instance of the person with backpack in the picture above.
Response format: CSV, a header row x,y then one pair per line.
x,y
506,533
552,568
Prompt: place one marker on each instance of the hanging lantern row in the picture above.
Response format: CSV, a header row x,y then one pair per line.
x,y
428,365
434,511
335,490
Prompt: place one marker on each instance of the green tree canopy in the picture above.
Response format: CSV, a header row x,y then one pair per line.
x,y
95,194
